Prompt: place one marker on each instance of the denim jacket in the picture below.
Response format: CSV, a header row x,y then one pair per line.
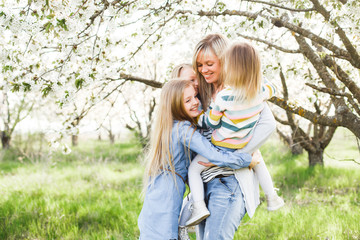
x,y
184,137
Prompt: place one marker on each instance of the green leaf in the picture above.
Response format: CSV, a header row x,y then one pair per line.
x,y
7,68
92,75
79,82
62,24
15,87
46,90
50,16
47,26
27,87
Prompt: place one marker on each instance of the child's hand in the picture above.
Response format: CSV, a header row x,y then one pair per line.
x,y
206,164
255,159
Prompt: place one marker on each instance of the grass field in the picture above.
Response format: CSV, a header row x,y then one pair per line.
x,y
93,193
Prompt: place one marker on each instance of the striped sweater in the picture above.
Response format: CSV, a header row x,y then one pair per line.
x,y
234,121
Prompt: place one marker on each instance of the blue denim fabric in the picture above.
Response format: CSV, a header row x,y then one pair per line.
x,y
163,199
226,204
159,216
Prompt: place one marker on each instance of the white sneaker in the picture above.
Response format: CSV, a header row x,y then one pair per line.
x,y
183,233
191,229
199,213
274,202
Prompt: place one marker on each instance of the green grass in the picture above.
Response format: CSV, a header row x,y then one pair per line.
x,y
321,202
94,193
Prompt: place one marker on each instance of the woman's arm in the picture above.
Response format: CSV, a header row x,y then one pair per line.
x,y
199,144
263,130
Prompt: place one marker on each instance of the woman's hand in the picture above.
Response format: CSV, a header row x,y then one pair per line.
x,y
255,159
206,164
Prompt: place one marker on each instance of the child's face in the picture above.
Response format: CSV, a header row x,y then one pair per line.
x,y
191,103
189,74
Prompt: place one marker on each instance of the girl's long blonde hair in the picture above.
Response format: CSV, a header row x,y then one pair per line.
x,y
171,107
175,73
217,44
243,70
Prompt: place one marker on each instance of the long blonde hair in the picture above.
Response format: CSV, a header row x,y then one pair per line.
x,y
171,107
215,43
175,73
243,70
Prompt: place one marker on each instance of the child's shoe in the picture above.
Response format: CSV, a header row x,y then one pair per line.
x,y
199,213
183,233
274,202
191,229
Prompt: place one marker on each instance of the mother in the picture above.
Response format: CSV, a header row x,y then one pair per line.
x,y
229,193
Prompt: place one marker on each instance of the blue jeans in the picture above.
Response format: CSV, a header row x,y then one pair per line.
x,y
226,204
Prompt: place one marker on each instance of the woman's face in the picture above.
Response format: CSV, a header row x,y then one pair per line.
x,y
209,66
191,103
189,74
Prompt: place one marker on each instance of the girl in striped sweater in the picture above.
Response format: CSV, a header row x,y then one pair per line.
x,y
234,115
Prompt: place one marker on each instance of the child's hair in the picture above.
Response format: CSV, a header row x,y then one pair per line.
x,y
217,44
176,72
171,107
243,70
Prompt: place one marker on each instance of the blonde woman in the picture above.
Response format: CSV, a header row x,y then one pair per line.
x,y
173,137
229,194
234,114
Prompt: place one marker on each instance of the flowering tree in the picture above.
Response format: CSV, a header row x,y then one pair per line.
x,y
14,109
64,46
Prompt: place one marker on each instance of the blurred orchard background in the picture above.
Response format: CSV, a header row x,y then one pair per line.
x,y
80,80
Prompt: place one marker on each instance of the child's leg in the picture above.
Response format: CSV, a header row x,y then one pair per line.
x,y
274,202
196,185
264,177
262,132
264,128
195,182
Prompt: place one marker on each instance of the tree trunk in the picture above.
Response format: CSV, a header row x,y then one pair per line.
x,y
112,138
5,140
316,158
74,140
296,149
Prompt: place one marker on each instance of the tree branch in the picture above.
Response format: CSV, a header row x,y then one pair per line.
x,y
94,16
282,7
327,137
283,122
284,137
340,32
342,76
311,116
316,61
337,93
297,132
127,77
330,91
269,44
278,22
